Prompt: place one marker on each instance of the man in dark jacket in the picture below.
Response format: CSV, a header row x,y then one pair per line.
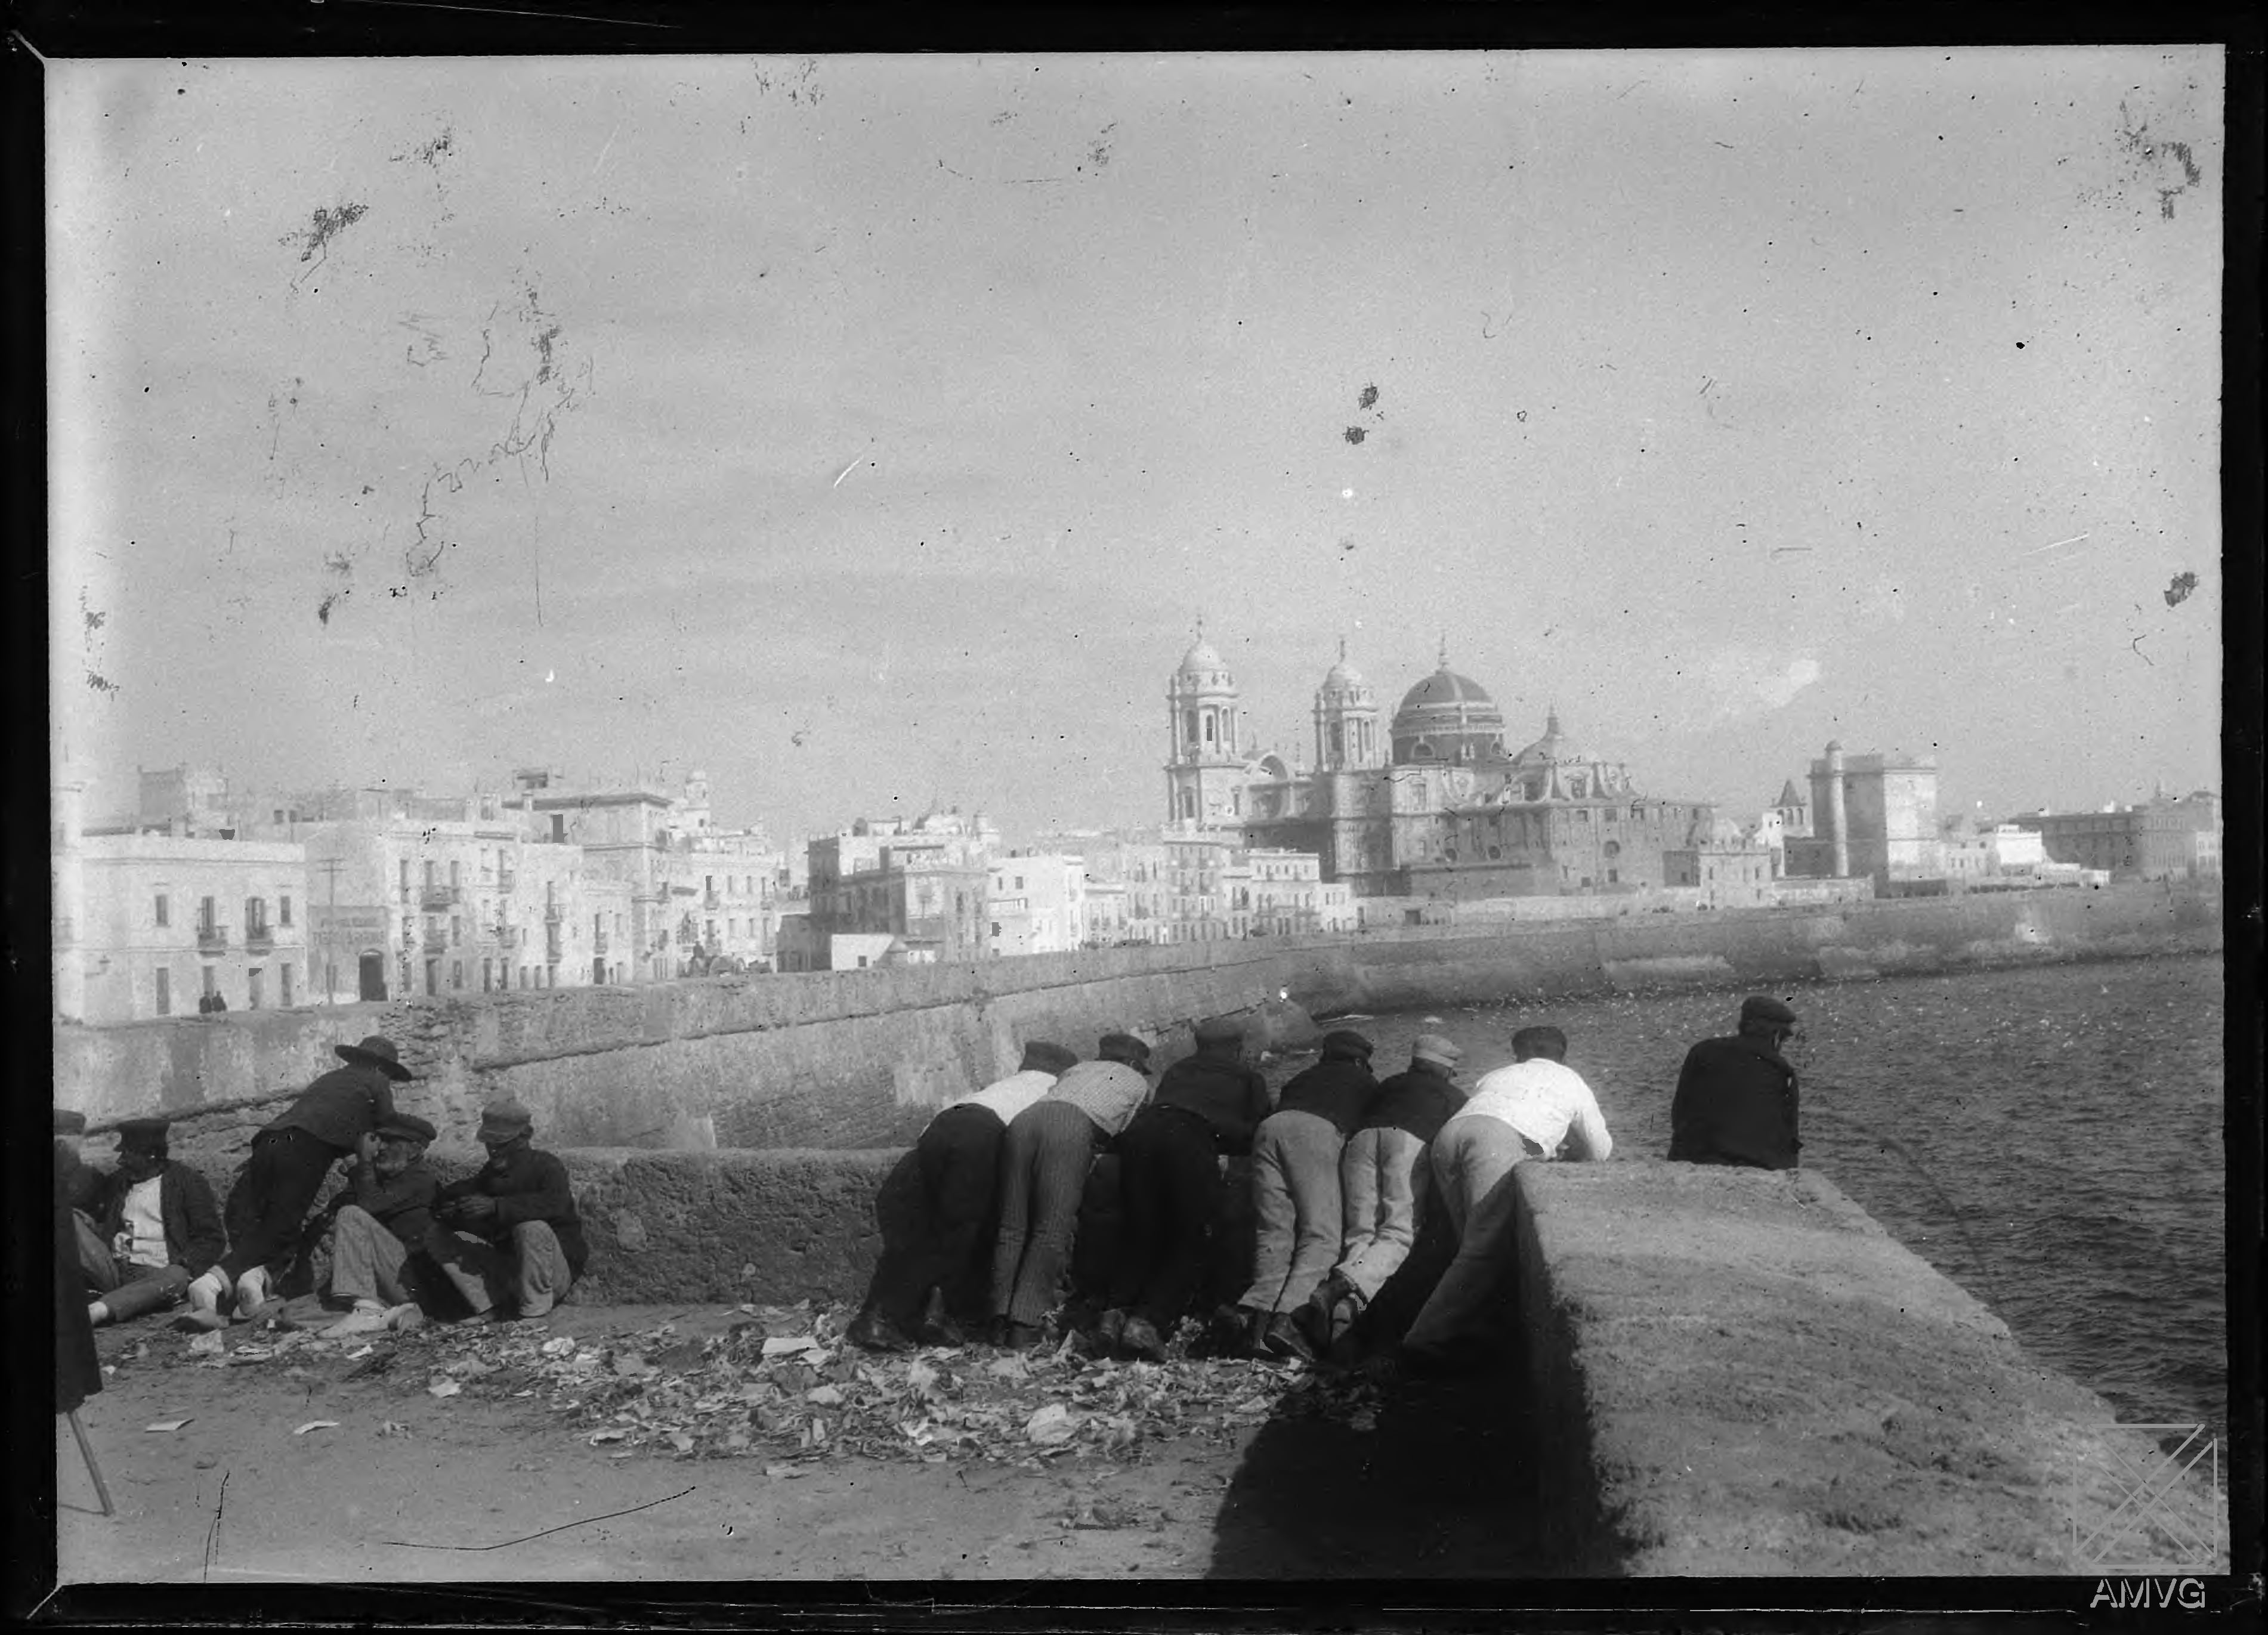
x,y
508,1237
1205,1105
157,1228
1736,1097
380,1218
78,1369
1384,1183
291,1156
1297,1212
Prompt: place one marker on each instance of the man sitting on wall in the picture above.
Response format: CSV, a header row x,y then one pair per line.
x,y
381,1217
1521,1113
1043,1166
508,1237
152,1231
949,1240
1736,1097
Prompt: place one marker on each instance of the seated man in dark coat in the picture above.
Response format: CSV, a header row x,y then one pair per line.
x,y
291,1155
377,1222
508,1237
1736,1096
155,1227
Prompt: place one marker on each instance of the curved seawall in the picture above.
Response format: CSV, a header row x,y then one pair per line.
x,y
860,1058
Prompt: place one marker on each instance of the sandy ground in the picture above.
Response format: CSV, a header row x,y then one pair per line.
x,y
407,1487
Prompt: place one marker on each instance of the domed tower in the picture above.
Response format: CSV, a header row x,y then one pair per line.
x,y
1447,719
1205,772
1346,720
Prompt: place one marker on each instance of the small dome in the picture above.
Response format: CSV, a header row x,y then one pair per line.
x,y
1343,678
1555,747
1201,657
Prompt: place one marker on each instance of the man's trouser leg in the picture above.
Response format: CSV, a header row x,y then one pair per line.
x,y
1134,1257
1058,1178
959,1157
478,1272
1474,1159
366,1259
1311,1146
94,1258
540,1275
1185,1190
145,1288
1019,1155
1275,1217
1391,1168
270,1200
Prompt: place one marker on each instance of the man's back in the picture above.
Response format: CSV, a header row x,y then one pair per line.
x,y
1735,1104
1545,1100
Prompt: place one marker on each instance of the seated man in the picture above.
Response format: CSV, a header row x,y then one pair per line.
x,y
383,1215
958,1159
508,1236
1520,1114
155,1227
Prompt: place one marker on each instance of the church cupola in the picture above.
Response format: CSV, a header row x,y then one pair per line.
x,y
1346,720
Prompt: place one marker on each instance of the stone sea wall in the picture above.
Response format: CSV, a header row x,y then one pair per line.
x,y
860,1058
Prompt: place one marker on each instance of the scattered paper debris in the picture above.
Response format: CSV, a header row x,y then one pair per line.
x,y
823,1396
317,1424
561,1347
208,1344
782,1346
168,1424
1052,1424
365,1351
443,1388
392,1427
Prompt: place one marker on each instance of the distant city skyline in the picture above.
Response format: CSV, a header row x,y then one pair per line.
x,y
869,432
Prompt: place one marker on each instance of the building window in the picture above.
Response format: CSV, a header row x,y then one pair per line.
x,y
456,973
284,984
165,987
212,980
405,880
456,929
165,906
254,980
284,911
208,918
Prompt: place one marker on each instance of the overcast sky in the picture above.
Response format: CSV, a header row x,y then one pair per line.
x,y
869,430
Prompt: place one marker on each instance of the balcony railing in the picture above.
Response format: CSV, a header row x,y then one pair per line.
x,y
409,933
211,938
712,900
597,942
508,936
259,939
441,896
506,877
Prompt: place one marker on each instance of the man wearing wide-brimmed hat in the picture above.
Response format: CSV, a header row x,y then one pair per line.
x,y
1736,1096
377,1220
508,1237
291,1156
155,1227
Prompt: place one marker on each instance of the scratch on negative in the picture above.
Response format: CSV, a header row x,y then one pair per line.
x,y
846,471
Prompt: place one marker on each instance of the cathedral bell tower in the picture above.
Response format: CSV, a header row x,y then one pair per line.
x,y
1206,773
1347,734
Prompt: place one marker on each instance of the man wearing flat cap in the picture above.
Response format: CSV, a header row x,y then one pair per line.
x,y
291,1155
1384,1180
508,1237
380,1218
1736,1096
1043,1166
155,1227
1298,1212
1207,1104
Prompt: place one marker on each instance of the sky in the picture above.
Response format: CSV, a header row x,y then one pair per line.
x,y
871,431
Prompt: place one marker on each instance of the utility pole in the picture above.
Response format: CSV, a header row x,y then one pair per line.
x,y
331,867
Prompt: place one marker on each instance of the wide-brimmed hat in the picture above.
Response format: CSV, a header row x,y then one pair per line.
x,y
501,1121
1346,1042
407,1127
376,1051
1763,1008
1440,1051
142,1135
1220,1029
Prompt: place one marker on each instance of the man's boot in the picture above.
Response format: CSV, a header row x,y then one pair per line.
x,y
1282,1338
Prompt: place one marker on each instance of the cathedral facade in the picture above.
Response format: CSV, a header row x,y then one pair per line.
x,y
1428,803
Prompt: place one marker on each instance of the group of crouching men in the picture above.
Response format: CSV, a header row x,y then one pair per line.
x,y
1342,1165
392,1247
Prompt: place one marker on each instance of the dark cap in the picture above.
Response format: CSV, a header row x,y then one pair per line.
x,y
408,1127
376,1051
1042,1056
1763,1008
1220,1030
1437,1049
506,1120
69,1123
1118,1046
1346,1042
142,1135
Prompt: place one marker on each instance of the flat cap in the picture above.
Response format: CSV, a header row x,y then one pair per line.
x,y
1118,1045
1219,1030
1763,1008
1346,1042
69,1123
408,1127
1043,1057
501,1120
1442,1052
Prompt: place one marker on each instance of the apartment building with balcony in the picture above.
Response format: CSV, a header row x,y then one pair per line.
x,y
1036,902
924,882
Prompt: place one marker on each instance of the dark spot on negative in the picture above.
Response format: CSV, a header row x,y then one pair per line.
x,y
1369,397
1355,434
2178,591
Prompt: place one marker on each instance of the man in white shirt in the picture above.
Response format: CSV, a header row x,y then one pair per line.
x,y
957,1162
1516,1114
1043,1166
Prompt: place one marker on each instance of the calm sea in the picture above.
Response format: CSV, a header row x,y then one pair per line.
x,y
2049,1138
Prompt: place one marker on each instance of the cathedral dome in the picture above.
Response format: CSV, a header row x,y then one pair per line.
x,y
1448,717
